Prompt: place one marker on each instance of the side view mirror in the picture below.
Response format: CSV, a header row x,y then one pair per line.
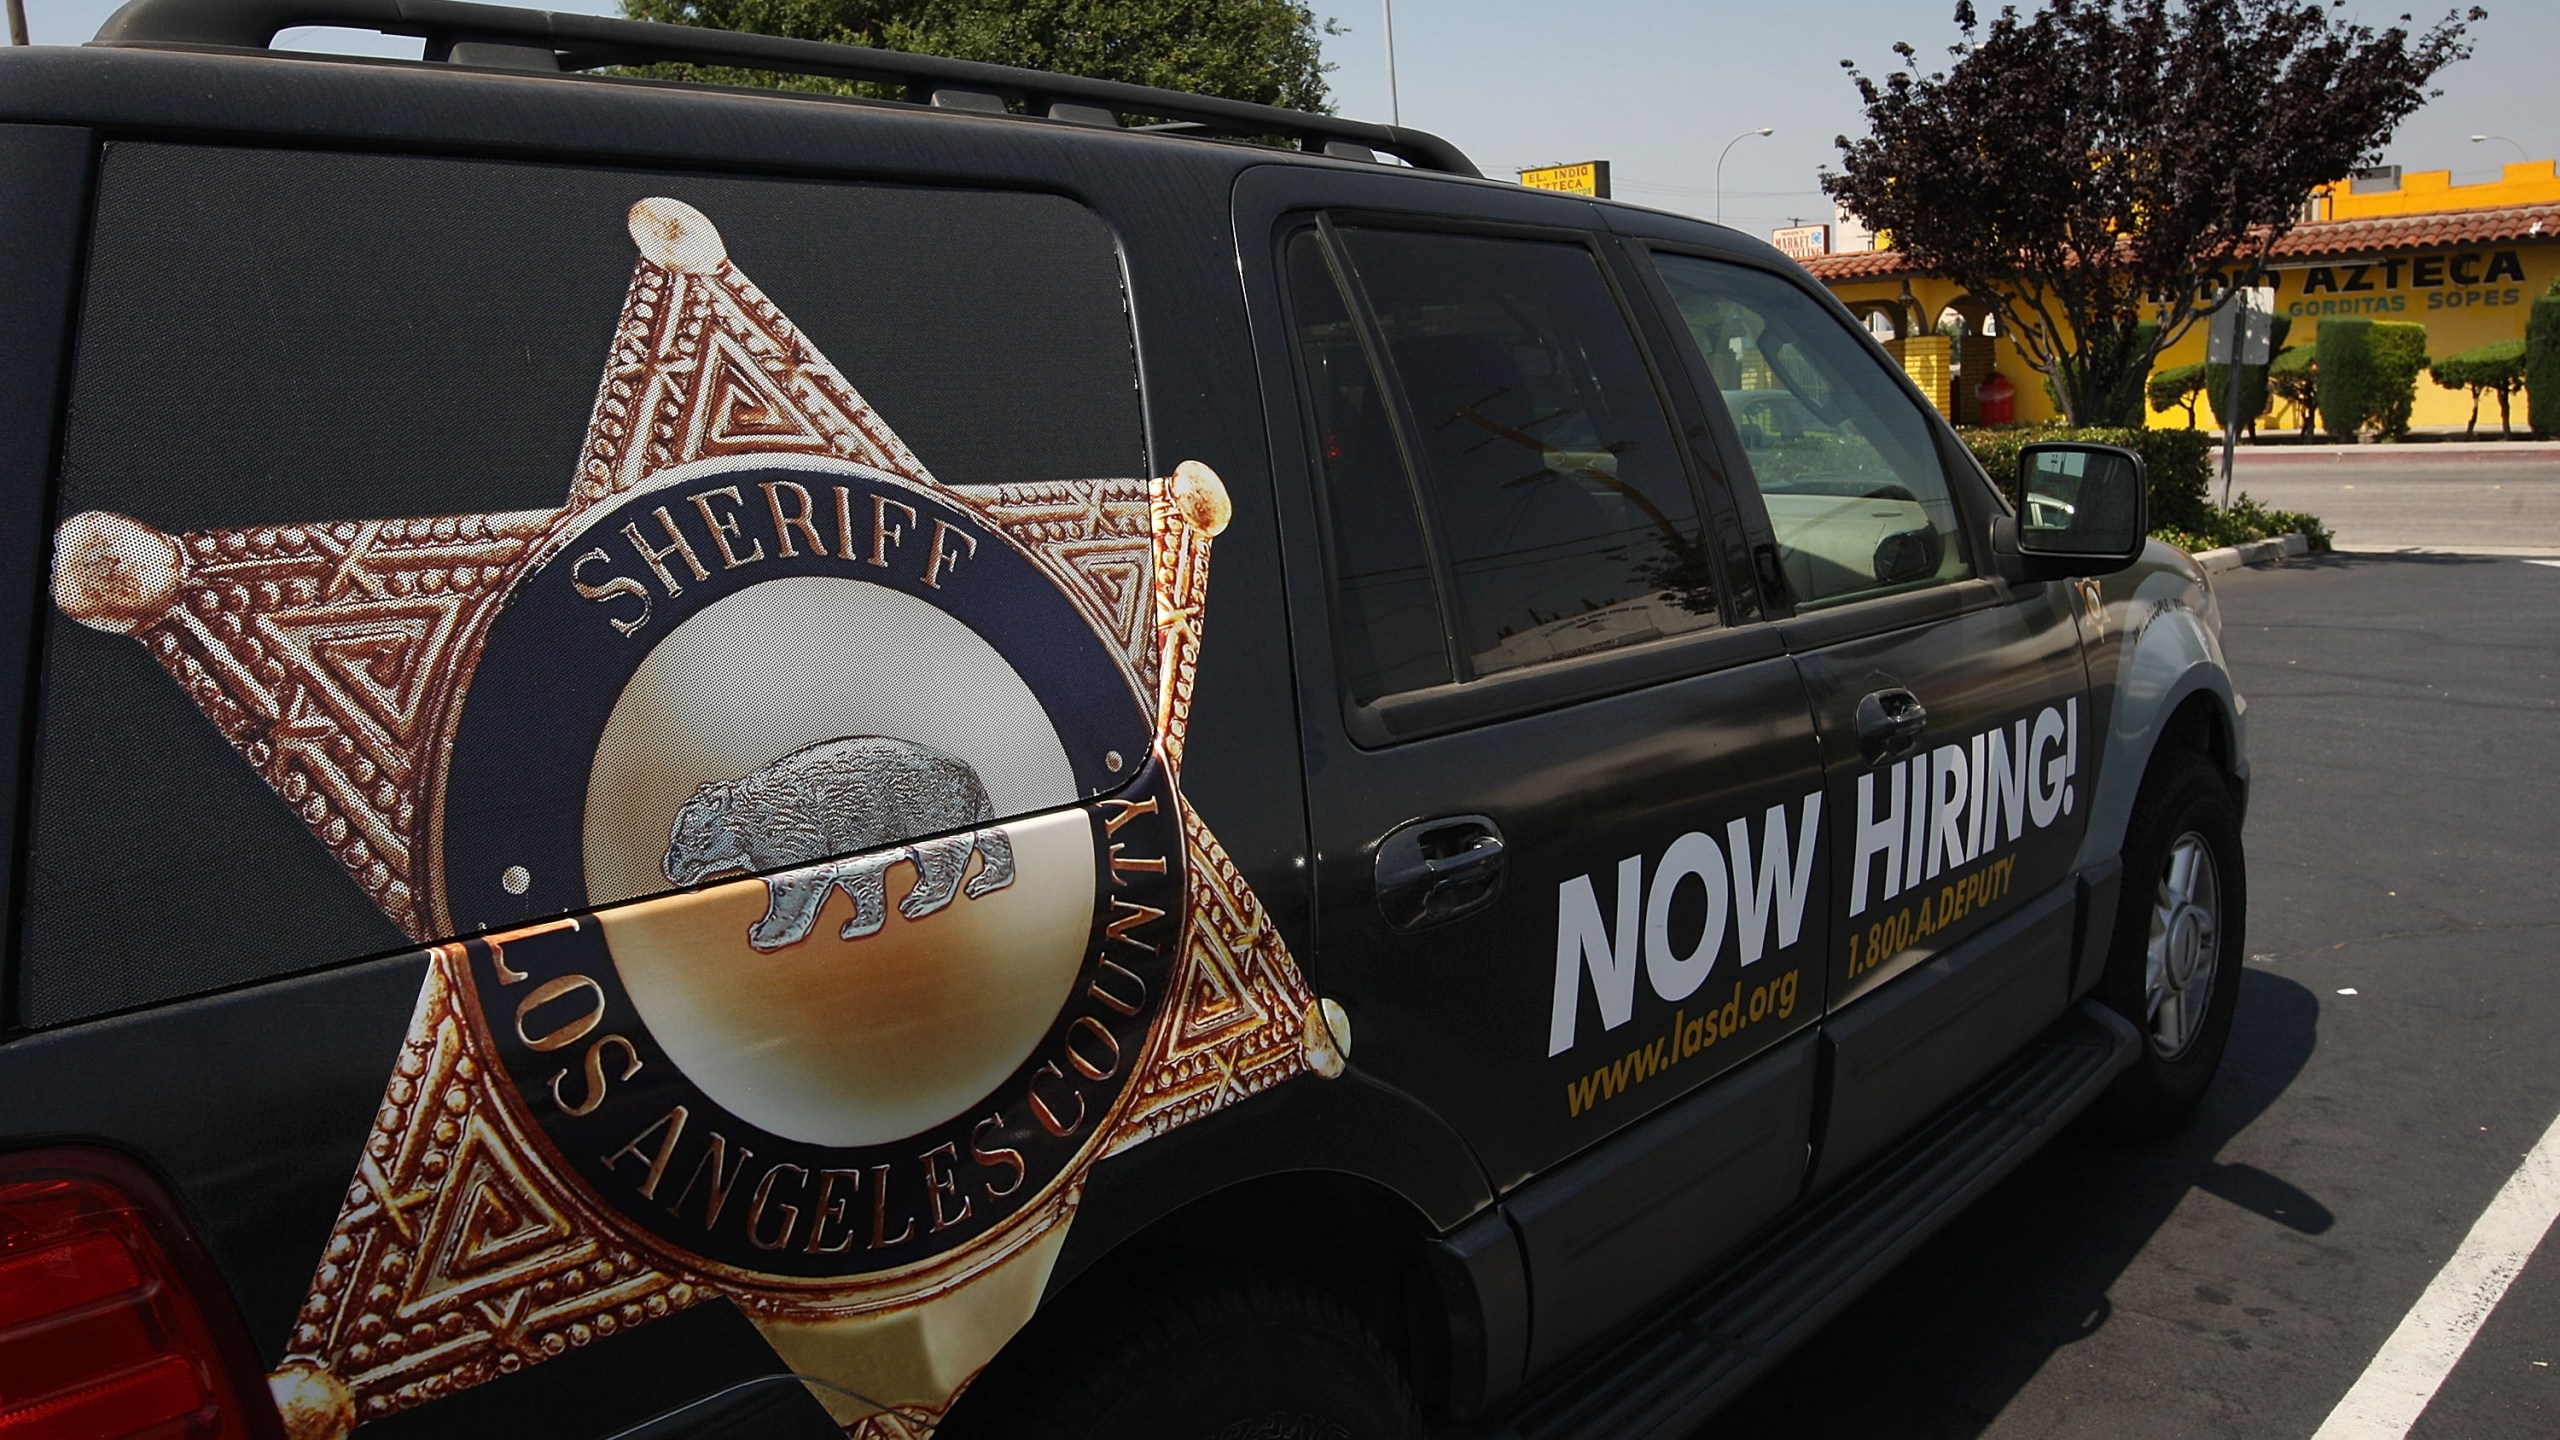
x,y
2082,510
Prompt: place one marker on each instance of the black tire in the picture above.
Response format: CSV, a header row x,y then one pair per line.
x,y
2183,814
1177,1359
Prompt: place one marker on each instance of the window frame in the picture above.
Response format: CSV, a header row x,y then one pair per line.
x,y
1363,325
1466,701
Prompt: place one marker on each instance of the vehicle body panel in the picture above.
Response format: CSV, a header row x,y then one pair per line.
x,y
1512,1230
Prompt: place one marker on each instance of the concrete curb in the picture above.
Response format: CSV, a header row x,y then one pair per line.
x,y
2256,552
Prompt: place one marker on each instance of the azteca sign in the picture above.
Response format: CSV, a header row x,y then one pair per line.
x,y
2459,280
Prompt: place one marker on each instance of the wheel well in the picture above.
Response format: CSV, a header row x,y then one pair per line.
x,y
2199,725
1348,1236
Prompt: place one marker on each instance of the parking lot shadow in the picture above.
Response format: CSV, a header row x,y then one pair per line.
x,y
1940,1346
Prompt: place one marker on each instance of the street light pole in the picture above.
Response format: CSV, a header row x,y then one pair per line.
x,y
2520,150
1395,109
17,22
1727,150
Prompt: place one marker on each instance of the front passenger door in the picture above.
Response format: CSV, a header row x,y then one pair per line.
x,y
1519,665
1951,705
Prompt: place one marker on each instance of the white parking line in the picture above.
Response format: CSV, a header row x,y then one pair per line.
x,y
2395,1388
2553,563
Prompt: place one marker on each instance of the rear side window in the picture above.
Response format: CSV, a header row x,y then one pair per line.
x,y
1853,482
283,348
1556,516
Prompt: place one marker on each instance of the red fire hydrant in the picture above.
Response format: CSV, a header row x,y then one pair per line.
x,y
1998,399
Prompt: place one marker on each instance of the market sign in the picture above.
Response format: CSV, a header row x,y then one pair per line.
x,y
1802,242
1587,177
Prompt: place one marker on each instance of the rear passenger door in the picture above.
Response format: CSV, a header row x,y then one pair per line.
x,y
1566,800
1950,704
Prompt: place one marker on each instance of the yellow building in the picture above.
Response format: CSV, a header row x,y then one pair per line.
x,y
2463,260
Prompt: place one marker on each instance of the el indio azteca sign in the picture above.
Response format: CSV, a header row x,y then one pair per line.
x,y
816,824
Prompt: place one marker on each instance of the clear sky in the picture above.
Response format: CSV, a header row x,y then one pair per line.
x,y
1657,87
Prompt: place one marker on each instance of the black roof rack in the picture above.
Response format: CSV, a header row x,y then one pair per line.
x,y
502,37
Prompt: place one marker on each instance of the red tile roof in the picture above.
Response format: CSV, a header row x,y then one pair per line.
x,y
2438,230
2327,239
1859,265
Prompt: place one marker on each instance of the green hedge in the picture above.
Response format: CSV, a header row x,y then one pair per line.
x,y
2494,369
2253,383
2369,375
2347,379
2179,462
2399,358
2542,364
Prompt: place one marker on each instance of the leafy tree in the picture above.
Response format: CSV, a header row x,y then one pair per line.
x,y
2496,368
1267,51
2102,163
2179,385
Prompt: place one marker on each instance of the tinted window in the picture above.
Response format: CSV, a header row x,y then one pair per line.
x,y
1554,487
293,344
1845,464
1386,614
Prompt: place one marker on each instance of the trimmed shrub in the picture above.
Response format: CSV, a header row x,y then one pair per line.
x,y
2245,521
2496,368
2176,388
2399,358
2253,383
2179,462
2295,379
2346,376
2542,364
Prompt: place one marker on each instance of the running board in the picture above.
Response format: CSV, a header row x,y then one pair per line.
x,y
1663,1380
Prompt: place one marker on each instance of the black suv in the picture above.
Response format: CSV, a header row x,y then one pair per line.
x,y
639,814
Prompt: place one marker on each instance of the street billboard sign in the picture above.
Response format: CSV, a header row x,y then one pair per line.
x,y
1586,177
2245,321
1802,242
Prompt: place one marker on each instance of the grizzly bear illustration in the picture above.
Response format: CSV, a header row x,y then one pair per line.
x,y
856,793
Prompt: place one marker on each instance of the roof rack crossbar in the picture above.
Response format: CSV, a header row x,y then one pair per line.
x,y
589,42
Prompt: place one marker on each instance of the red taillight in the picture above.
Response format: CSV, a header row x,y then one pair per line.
x,y
101,1331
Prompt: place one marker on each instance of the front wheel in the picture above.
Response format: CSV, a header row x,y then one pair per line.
x,y
2173,962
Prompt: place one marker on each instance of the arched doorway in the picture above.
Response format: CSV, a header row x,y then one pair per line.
x,y
1972,333
1883,318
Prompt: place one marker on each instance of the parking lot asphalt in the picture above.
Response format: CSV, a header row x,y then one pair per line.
x,y
2487,499
2396,1053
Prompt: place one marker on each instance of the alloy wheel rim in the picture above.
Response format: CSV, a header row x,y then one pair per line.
x,y
2183,959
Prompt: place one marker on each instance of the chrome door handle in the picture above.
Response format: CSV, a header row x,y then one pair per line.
x,y
1890,723
1430,871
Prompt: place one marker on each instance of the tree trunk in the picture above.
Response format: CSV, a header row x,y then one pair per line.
x,y
2108,381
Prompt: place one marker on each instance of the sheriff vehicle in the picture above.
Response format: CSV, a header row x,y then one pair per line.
x,y
1022,758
